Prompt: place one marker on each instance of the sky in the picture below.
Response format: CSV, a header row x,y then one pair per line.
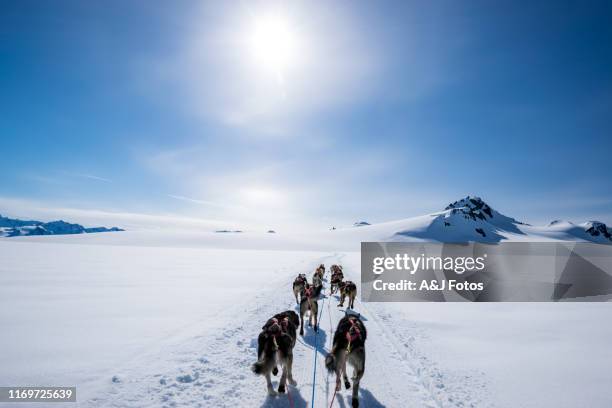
x,y
287,114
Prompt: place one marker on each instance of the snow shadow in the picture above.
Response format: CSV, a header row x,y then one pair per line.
x,y
366,399
282,400
320,339
362,317
353,312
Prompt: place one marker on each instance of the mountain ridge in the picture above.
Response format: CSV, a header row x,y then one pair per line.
x,y
471,219
13,227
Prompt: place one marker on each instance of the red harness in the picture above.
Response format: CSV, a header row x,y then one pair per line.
x,y
352,334
277,328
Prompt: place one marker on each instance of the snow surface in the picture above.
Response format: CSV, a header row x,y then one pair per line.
x,y
170,319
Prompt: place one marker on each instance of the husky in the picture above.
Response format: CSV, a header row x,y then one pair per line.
x,y
336,280
298,286
347,289
349,345
317,275
309,303
320,271
317,284
275,346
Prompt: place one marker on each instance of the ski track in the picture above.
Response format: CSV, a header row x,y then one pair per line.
x,y
214,370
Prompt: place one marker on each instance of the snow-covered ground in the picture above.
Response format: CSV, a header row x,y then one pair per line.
x,y
170,318
156,319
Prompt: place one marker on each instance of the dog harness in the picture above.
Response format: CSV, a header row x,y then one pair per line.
x,y
277,328
352,334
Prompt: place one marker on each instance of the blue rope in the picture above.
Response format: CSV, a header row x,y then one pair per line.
x,y
314,373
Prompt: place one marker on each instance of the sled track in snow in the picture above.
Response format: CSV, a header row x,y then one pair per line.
x,y
214,370
379,365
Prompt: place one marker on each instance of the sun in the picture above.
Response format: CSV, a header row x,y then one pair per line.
x,y
273,43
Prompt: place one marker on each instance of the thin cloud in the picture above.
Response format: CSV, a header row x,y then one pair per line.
x,y
196,201
88,176
93,177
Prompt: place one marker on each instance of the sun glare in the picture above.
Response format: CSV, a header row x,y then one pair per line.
x,y
273,43
262,196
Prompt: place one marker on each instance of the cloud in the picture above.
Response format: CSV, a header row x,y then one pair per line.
x,y
63,177
91,177
195,201
305,187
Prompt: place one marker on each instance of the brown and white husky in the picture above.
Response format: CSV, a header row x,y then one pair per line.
x,y
348,289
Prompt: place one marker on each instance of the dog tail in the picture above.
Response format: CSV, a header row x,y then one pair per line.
x,y
258,367
330,362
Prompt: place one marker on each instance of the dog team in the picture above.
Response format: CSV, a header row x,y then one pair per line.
x,y
278,336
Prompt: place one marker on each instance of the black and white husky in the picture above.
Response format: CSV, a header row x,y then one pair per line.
x,y
349,345
317,284
275,346
308,303
298,286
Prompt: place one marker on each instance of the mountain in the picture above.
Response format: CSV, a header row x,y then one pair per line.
x,y
13,228
472,219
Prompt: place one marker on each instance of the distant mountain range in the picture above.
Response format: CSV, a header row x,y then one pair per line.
x,y
10,227
465,220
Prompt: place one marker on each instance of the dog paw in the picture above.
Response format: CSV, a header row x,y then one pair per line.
x,y
281,389
272,393
292,382
347,385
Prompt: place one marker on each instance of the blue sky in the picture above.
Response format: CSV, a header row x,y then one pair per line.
x,y
362,110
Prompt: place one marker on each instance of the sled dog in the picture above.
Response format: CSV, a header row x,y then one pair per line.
x,y
309,303
348,289
336,280
275,346
317,284
298,286
320,271
349,345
